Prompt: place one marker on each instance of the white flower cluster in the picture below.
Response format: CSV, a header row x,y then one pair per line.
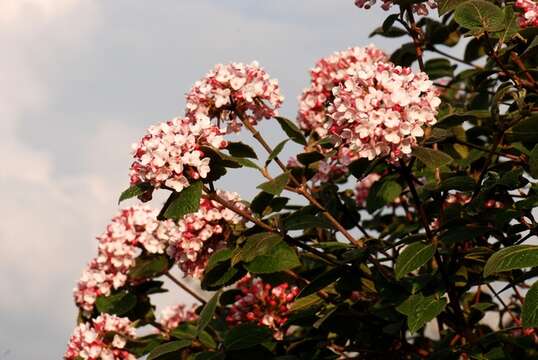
x,y
92,341
232,90
133,229
203,232
170,153
172,316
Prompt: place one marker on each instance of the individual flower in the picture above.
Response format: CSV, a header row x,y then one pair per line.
x,y
170,153
421,8
380,109
529,15
203,232
329,72
172,316
103,338
233,90
362,189
133,230
262,303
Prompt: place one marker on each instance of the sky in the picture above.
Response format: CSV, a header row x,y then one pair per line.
x,y
80,81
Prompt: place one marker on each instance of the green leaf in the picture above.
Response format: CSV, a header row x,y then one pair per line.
x,y
185,202
308,158
391,32
529,311
276,151
118,304
187,331
420,310
258,244
438,68
511,25
432,158
238,149
413,257
512,257
389,21
245,336
525,131
306,302
206,315
135,190
382,193
321,282
531,46
405,55
167,348
148,266
445,6
279,258
479,16
533,162
301,221
277,185
208,355
291,130
460,183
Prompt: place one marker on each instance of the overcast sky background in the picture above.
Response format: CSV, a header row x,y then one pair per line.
x,y
80,80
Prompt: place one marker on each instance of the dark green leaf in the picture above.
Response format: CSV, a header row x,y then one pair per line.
x,y
300,221
135,190
291,130
525,131
207,355
258,244
420,310
246,336
276,151
309,157
238,149
391,32
208,311
479,16
118,304
167,348
279,258
382,193
405,55
445,6
529,311
277,185
320,282
460,183
412,257
438,68
389,21
512,257
148,266
432,158
261,202
185,202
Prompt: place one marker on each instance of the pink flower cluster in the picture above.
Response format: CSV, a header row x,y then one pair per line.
x,y
92,341
262,303
419,8
203,232
232,90
529,18
381,109
172,316
327,169
329,72
133,229
362,189
170,153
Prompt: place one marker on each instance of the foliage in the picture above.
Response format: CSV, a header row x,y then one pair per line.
x,y
438,242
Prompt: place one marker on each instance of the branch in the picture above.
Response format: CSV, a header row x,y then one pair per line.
x,y
186,288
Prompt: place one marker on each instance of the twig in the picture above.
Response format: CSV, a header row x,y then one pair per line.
x,y
186,288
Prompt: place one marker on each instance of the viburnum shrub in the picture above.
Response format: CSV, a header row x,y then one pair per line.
x,y
403,229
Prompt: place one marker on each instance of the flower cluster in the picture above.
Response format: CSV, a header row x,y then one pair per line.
x,y
326,170
262,303
329,72
203,232
362,189
172,316
133,229
418,8
93,341
170,155
381,108
233,90
529,18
